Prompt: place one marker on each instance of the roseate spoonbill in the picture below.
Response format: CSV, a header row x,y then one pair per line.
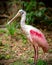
x,y
34,35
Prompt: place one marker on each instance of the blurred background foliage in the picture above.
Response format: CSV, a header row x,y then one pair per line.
x,y
38,13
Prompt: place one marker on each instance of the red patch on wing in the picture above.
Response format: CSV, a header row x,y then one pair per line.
x,y
32,32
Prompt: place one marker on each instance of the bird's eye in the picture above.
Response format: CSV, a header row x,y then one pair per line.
x,y
22,12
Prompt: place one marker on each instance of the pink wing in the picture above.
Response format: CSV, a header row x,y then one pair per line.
x,y
39,38
32,32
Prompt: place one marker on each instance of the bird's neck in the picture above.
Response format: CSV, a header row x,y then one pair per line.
x,y
22,22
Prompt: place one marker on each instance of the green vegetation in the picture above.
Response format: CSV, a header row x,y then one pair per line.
x,y
37,13
50,51
11,28
24,40
30,62
3,56
41,62
18,62
1,43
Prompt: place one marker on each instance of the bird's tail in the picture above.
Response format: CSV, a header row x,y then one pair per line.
x,y
46,48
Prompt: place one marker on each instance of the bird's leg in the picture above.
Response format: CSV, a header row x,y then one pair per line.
x,y
44,55
36,53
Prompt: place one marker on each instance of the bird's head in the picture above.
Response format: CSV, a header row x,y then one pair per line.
x,y
21,12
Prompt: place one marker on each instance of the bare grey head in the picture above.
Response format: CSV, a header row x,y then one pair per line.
x,y
21,11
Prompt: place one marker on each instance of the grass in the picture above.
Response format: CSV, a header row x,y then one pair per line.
x,y
41,62
8,51
1,43
2,31
11,28
4,56
28,62
18,62
23,62
24,40
50,51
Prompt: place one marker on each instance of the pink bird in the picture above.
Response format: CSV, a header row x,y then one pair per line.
x,y
34,35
